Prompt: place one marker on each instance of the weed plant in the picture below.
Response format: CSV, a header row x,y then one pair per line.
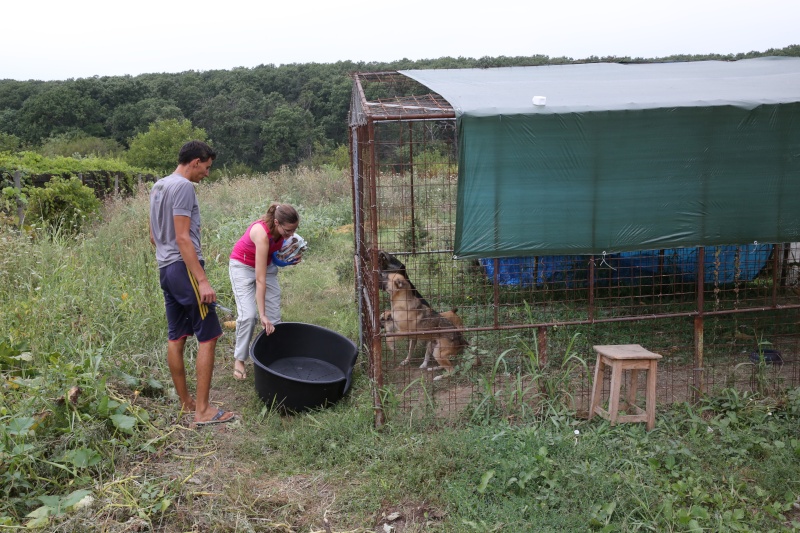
x,y
91,438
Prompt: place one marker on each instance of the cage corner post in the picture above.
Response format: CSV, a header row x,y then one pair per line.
x,y
699,372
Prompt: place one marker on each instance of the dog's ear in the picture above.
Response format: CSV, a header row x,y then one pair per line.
x,y
390,263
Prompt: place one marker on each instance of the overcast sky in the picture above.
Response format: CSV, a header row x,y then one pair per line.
x,y
52,40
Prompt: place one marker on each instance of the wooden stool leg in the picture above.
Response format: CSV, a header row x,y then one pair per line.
x,y
616,384
597,386
633,384
650,397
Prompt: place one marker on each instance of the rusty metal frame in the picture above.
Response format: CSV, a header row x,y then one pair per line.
x,y
364,116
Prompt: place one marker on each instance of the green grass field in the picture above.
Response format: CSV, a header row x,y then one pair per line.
x,y
91,438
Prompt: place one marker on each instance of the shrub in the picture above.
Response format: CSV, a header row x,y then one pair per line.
x,y
158,147
79,145
62,205
9,143
234,170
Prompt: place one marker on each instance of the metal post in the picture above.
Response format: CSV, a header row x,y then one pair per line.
x,y
786,247
20,207
698,372
376,357
591,288
411,177
496,291
775,280
541,339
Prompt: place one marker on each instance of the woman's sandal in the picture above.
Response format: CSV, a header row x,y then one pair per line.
x,y
239,375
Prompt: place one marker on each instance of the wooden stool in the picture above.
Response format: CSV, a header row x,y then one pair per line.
x,y
622,357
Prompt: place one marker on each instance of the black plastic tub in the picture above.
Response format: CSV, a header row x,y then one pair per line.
x,y
302,366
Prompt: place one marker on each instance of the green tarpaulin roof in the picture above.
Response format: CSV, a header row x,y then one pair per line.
x,y
624,157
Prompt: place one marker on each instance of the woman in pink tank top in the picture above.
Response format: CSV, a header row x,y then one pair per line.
x,y
254,279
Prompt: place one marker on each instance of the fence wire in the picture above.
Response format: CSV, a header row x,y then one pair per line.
x,y
720,316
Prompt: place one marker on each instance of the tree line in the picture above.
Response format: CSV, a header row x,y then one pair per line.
x,y
258,119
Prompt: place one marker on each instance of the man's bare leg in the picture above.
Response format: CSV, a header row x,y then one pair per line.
x,y
178,372
205,369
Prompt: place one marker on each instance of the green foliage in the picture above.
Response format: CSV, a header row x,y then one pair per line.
x,y
288,136
40,403
63,206
416,236
9,143
158,147
62,109
434,159
561,474
230,171
34,169
234,120
132,118
244,111
10,199
33,164
676,478
336,158
88,313
79,145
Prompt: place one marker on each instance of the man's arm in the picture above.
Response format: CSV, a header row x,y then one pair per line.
x,y
184,242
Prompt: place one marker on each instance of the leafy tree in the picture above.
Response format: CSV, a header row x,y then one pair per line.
x,y
111,92
14,93
130,119
234,119
158,147
8,121
288,136
58,109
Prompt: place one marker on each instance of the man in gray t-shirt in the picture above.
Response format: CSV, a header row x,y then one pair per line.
x,y
171,196
188,296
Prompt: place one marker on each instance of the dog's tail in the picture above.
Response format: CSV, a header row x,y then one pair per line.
x,y
457,337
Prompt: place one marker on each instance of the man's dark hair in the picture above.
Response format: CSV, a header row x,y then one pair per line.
x,y
193,150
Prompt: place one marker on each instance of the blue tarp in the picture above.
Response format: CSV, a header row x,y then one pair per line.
x,y
723,264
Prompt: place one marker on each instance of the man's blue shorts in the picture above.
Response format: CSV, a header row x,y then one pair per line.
x,y
186,314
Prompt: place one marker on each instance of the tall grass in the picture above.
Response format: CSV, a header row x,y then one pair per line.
x,y
85,312
91,439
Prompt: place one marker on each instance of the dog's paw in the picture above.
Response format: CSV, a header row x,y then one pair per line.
x,y
424,365
404,362
440,376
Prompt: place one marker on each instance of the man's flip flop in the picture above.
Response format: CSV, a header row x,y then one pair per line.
x,y
219,418
239,375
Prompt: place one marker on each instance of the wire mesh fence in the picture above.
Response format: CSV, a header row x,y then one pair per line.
x,y
723,316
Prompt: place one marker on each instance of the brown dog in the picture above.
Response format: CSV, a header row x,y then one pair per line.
x,y
410,313
388,325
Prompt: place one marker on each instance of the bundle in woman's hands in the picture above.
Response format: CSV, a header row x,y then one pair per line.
x,y
293,249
